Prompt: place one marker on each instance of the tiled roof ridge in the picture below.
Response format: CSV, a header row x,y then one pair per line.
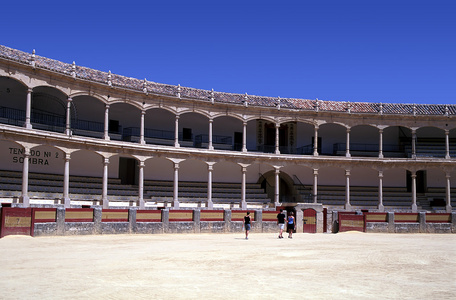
x,y
146,86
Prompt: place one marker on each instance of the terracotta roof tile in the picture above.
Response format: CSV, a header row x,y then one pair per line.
x,y
221,97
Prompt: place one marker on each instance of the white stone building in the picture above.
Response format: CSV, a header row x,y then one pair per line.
x,y
76,136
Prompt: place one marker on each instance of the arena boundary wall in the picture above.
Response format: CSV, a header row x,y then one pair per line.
x,y
39,221
399,222
96,220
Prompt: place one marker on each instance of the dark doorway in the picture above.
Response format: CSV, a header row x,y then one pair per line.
x,y
237,141
421,183
128,171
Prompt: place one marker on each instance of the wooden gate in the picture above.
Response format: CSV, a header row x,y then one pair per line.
x,y
309,221
351,221
16,221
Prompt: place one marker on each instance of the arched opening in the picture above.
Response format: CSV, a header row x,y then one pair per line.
x,y
87,116
48,110
13,95
286,189
333,139
364,141
227,133
122,116
158,127
193,130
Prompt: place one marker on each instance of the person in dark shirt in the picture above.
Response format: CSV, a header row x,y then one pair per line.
x,y
281,222
291,225
247,225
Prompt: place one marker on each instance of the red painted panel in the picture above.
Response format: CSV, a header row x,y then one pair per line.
x,y
148,215
114,215
309,221
406,218
438,218
376,217
44,215
270,216
79,215
349,222
212,215
16,221
181,215
238,215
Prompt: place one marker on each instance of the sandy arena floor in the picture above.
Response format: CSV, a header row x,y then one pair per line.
x,y
226,266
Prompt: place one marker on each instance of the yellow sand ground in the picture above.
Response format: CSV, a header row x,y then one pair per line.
x,y
226,266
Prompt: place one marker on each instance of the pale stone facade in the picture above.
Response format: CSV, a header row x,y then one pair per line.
x,y
62,119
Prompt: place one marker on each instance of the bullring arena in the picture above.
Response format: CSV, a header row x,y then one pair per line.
x,y
86,153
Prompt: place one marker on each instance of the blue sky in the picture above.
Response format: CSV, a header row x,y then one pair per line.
x,y
365,51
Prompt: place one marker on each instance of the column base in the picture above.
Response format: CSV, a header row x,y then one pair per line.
x,y
381,208
25,200
105,203
66,202
414,208
141,203
347,206
175,204
448,209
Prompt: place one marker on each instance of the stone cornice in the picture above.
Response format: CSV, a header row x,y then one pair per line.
x,y
144,87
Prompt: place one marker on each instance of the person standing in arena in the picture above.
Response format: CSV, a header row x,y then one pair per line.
x,y
247,225
291,225
281,222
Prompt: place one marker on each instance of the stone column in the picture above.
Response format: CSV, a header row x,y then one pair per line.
x,y
28,109
277,187
68,117
66,182
347,151
197,220
142,141
380,143
422,220
132,220
315,153
414,206
380,207
244,136
210,168
277,149
413,143
24,198
176,132
299,216
141,202
60,220
210,146
448,193
104,196
347,190
390,220
315,186
176,186
447,144
243,184
106,123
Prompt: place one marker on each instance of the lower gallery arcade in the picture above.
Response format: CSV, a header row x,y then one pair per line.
x,y
280,178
